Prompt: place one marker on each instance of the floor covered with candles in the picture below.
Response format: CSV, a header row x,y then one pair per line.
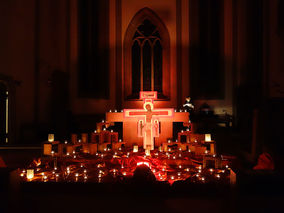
x,y
104,191
119,166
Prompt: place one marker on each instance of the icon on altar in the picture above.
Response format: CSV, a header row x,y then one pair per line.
x,y
149,126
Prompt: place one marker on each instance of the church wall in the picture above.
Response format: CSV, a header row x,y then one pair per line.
x,y
224,104
184,52
17,55
53,66
34,47
87,106
53,29
275,50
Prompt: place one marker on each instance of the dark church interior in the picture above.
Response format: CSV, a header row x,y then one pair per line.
x,y
181,87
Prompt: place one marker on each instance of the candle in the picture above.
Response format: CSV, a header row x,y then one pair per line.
x,y
50,138
207,137
147,152
135,148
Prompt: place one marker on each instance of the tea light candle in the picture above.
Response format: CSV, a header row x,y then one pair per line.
x,y
207,137
147,152
50,138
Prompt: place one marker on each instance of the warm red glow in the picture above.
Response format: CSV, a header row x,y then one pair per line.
x,y
143,163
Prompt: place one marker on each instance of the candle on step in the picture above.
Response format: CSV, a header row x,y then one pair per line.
x,y
50,138
207,137
135,148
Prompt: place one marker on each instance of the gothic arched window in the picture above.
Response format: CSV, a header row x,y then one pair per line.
x,y
146,47
147,59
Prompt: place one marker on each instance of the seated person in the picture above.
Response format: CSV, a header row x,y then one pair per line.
x,y
264,162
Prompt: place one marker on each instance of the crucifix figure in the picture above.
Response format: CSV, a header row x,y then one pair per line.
x,y
142,126
148,119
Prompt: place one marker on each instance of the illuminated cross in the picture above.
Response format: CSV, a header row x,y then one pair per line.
x,y
148,118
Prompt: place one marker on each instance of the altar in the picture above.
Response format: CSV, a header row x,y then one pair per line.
x,y
147,140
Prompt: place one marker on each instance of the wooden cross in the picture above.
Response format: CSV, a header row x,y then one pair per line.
x,y
148,121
